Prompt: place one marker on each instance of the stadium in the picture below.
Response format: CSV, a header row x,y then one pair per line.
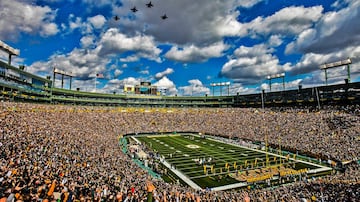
x,y
179,101
293,145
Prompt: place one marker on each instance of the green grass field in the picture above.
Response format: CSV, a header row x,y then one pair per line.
x,y
184,151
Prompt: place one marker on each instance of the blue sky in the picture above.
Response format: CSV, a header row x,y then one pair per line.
x,y
202,42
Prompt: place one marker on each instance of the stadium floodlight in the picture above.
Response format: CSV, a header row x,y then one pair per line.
x,y
62,73
221,84
275,76
10,50
340,63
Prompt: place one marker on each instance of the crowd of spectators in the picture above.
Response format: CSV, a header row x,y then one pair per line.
x,y
71,153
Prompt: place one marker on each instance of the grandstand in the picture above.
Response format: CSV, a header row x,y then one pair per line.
x,y
19,85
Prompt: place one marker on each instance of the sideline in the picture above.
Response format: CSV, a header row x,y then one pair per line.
x,y
182,176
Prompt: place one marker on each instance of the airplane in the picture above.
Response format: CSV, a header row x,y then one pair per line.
x,y
134,9
149,5
164,17
116,18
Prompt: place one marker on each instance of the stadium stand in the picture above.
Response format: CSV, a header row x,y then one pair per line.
x,y
56,152
53,152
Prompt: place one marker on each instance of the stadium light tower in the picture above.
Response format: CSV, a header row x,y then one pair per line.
x,y
62,73
275,76
340,63
221,84
9,50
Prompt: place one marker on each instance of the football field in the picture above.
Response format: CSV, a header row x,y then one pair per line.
x,y
211,163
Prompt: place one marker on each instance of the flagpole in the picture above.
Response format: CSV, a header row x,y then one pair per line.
x,y
95,83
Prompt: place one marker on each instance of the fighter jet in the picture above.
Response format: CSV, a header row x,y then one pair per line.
x,y
164,17
134,9
116,18
149,5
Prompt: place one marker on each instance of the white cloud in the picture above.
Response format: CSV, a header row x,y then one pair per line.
x,y
18,17
335,31
197,22
248,3
74,22
343,3
97,21
130,58
80,62
252,63
131,81
88,26
113,42
167,84
238,88
229,26
117,85
310,62
162,74
287,21
97,3
304,38
49,29
195,87
196,54
275,40
117,72
87,41
144,71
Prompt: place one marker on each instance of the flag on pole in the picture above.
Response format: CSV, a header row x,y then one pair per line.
x,y
99,75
